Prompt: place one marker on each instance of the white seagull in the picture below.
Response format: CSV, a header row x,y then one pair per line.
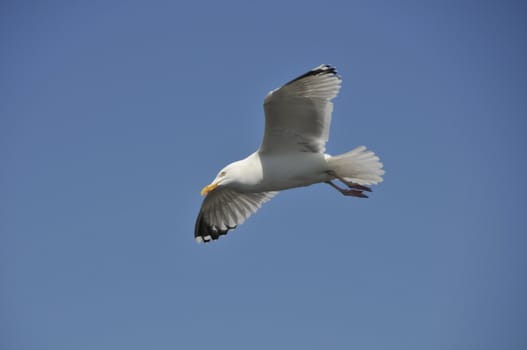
x,y
292,154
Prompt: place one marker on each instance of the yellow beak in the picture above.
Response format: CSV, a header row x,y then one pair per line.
x,y
209,188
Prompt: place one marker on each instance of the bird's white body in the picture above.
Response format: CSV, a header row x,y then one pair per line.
x,y
280,172
292,154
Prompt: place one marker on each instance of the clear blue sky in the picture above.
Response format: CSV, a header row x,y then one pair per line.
x,y
113,116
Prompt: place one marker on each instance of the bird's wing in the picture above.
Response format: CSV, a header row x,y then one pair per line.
x,y
298,114
224,209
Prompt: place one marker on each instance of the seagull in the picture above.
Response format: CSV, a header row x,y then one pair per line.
x,y
292,154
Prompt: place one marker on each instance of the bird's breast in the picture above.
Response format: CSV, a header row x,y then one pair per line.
x,y
280,172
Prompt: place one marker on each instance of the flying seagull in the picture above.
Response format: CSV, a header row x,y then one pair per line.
x,y
292,154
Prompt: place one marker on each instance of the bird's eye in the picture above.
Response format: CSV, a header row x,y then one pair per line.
x,y
222,174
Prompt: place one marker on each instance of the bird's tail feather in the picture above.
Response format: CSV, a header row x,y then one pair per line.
x,y
359,165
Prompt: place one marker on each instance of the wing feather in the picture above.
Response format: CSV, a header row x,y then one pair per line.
x,y
224,209
298,114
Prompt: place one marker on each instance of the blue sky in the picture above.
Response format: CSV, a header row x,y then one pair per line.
x,y
115,114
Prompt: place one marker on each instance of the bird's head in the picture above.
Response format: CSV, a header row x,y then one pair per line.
x,y
225,176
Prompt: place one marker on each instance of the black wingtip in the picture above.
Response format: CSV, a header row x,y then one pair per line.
x,y
205,233
323,69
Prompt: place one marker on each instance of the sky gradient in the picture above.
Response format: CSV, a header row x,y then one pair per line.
x,y
114,115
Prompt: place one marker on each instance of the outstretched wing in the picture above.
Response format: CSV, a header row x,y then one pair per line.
x,y
224,209
298,115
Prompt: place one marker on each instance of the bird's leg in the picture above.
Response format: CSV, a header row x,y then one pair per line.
x,y
351,185
355,185
348,191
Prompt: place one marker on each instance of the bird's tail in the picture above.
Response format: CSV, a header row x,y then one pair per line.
x,y
358,165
